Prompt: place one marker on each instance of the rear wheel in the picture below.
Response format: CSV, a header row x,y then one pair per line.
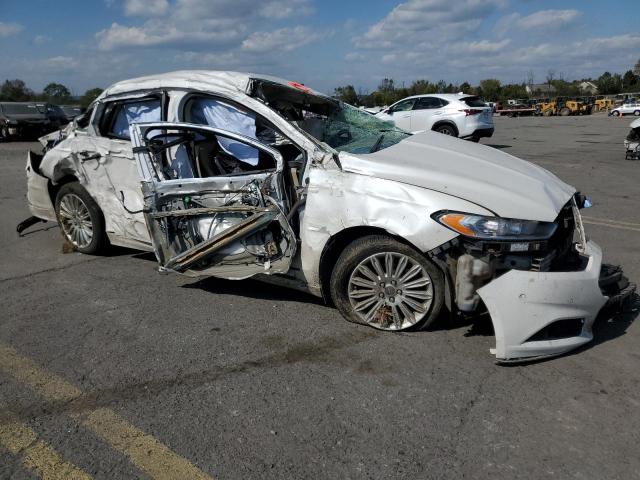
x,y
4,134
380,282
446,129
565,112
615,113
80,219
636,113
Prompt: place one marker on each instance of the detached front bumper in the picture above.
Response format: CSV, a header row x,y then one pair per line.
x,y
540,314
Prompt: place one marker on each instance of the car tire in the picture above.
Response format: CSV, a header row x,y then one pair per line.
x,y
615,113
565,112
80,219
4,134
368,279
446,129
636,113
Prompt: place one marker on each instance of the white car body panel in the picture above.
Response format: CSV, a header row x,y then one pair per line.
x,y
396,190
521,303
497,181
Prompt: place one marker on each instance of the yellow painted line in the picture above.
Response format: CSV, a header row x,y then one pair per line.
x,y
634,227
36,455
144,451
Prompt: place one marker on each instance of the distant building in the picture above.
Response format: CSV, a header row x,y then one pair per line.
x,y
588,87
541,88
636,68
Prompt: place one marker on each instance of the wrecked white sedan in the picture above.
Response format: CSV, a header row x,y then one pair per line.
x,y
235,175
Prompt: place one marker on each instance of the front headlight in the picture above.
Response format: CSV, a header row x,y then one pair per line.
x,y
494,228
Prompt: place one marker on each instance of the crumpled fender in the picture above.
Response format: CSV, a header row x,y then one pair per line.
x,y
522,303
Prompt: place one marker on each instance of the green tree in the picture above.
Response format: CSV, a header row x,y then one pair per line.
x,y
630,80
346,94
89,96
609,84
56,93
15,91
465,87
490,88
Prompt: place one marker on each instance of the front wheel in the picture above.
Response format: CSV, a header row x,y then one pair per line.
x,y
380,282
636,113
615,113
80,219
446,130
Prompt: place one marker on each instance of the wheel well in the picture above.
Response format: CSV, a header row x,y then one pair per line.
x,y
446,122
334,247
55,188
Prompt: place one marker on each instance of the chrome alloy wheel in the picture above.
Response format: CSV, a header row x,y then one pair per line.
x,y
390,291
75,220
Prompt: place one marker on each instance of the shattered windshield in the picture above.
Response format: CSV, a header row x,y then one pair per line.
x,y
338,124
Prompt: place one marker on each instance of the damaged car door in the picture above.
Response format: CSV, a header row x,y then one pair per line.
x,y
208,210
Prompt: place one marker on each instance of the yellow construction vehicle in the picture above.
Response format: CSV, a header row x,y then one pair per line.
x,y
603,104
564,107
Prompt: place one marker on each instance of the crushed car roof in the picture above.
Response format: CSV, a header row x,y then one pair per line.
x,y
205,80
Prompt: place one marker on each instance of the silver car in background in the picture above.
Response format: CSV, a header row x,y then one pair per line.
x,y
457,115
626,109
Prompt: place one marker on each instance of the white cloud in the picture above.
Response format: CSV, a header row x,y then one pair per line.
x,y
543,20
282,40
154,33
8,29
423,20
479,47
188,23
546,19
41,39
354,57
146,8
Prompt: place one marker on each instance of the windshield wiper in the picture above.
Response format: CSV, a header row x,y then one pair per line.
x,y
376,145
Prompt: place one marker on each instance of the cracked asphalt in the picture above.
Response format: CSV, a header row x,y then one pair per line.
x,y
243,380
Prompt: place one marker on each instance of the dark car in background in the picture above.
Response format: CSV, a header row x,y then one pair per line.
x,y
71,111
55,114
25,120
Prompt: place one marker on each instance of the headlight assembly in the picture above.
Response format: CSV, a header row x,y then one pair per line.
x,y
494,228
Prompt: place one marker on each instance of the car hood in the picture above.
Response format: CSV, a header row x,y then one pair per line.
x,y
506,185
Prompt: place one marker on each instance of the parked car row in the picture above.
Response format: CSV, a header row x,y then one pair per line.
x,y
236,175
28,120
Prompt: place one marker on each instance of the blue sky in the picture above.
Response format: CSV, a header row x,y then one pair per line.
x,y
323,44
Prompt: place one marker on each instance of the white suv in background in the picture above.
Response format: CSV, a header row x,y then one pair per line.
x,y
455,114
626,109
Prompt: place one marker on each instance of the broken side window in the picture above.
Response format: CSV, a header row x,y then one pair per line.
x,y
118,116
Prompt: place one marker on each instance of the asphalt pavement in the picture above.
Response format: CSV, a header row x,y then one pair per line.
x,y
111,370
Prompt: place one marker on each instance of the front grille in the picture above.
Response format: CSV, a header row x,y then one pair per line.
x,y
566,328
